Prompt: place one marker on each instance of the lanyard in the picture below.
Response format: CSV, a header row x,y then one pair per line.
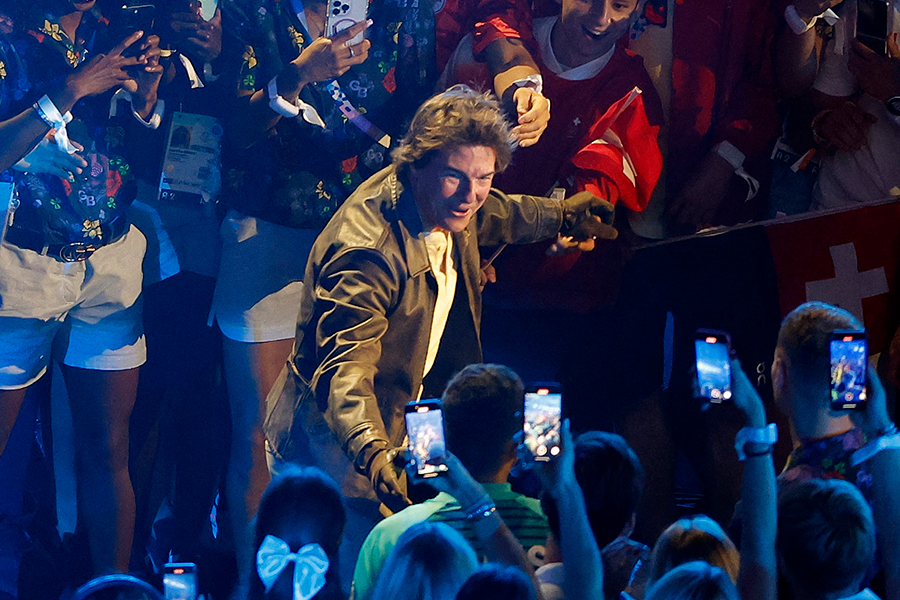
x,y
340,98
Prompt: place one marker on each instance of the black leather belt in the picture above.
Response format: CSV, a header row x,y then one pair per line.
x,y
71,252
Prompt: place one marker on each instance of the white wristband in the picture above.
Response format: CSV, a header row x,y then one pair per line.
x,y
799,26
533,81
884,442
767,435
50,115
279,104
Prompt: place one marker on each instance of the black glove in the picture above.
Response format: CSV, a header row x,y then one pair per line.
x,y
385,471
578,222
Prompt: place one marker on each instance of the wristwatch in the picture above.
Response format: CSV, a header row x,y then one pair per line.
x,y
893,105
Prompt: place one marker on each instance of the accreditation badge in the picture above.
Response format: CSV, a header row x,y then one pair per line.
x,y
191,169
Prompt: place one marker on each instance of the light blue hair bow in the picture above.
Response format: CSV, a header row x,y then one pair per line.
x,y
310,565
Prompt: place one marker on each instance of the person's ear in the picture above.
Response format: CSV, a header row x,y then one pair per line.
x,y
780,372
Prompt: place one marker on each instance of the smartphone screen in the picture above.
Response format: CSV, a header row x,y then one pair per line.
x,y
849,355
872,24
180,581
543,417
425,428
713,350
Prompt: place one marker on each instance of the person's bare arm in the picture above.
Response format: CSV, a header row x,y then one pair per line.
x,y
509,61
500,545
21,133
797,55
758,572
582,561
324,59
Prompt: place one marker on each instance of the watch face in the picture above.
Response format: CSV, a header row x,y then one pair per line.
x,y
893,105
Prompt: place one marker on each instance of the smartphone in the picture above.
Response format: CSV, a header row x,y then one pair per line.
x,y
427,445
180,581
128,19
713,353
872,24
343,14
849,357
543,420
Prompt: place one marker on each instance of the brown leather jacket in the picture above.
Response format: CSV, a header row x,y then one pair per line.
x,y
365,320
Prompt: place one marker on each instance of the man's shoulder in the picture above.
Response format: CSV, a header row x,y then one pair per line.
x,y
409,516
364,220
382,539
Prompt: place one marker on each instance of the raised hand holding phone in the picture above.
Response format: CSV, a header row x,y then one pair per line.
x,y
328,58
180,581
713,365
427,446
543,421
849,355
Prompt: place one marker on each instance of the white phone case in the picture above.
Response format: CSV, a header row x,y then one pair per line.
x,y
343,14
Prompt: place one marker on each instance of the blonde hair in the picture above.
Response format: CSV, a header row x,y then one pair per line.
x,y
696,538
696,580
455,118
431,561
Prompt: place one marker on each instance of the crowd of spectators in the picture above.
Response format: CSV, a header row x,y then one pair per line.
x,y
164,185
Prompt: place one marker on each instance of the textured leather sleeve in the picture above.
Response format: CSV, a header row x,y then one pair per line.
x,y
356,290
517,219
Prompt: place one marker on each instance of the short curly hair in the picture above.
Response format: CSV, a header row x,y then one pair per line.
x,y
457,117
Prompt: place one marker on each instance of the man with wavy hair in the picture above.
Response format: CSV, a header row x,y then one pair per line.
x,y
394,302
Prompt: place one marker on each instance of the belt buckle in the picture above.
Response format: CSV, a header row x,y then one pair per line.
x,y
76,252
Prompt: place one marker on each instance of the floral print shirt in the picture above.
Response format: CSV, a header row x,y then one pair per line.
x,y
86,207
829,458
301,174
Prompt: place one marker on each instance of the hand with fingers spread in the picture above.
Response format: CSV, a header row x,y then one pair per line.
x,y
533,112
47,157
328,58
105,71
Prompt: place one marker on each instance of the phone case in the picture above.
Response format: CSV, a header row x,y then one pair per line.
x,y
343,14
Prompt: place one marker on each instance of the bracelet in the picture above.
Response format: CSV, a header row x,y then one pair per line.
x,y
884,442
482,511
279,104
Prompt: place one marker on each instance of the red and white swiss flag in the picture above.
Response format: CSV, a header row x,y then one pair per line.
x,y
622,162
847,258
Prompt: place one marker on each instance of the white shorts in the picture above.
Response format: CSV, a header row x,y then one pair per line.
x,y
257,297
84,314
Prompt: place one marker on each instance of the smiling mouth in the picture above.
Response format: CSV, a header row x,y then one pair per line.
x,y
597,35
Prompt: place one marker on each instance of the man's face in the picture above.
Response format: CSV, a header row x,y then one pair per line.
x,y
589,28
451,188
